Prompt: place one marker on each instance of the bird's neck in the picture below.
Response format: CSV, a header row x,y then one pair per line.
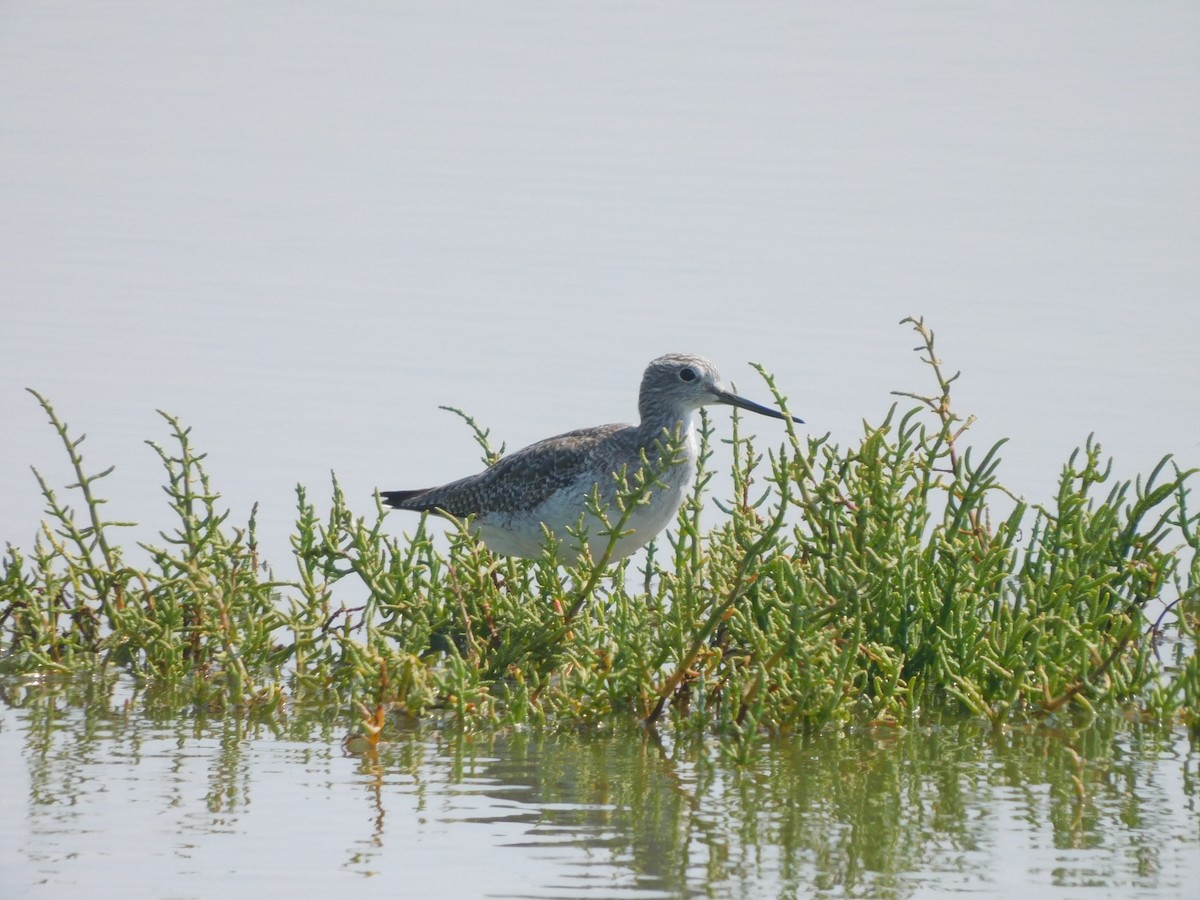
x,y
660,434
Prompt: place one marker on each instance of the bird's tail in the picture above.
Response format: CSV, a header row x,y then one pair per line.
x,y
403,499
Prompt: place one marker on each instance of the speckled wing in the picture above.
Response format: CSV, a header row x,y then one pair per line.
x,y
523,480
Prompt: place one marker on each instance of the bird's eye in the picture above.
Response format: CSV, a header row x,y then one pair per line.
x,y
687,374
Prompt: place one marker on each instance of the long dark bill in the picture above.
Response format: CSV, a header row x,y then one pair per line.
x,y
724,396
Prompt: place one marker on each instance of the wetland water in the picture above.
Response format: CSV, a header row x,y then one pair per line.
x,y
101,799
301,227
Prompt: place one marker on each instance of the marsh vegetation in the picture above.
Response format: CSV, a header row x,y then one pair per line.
x,y
880,582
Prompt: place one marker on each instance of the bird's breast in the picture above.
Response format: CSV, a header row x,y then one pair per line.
x,y
520,533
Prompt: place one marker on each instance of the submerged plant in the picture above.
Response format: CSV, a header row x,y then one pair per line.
x,y
201,611
870,583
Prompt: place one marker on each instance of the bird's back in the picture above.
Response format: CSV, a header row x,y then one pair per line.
x,y
524,480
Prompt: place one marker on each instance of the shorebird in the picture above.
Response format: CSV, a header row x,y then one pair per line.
x,y
547,485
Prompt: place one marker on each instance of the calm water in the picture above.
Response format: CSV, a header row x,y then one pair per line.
x,y
303,226
103,799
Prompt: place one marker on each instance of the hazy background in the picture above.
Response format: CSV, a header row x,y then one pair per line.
x,y
301,227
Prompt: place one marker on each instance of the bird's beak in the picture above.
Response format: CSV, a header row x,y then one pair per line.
x,y
732,399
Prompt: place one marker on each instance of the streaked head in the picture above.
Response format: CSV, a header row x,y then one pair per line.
x,y
679,383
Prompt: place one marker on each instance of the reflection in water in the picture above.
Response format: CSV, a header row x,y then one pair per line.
x,y
1110,809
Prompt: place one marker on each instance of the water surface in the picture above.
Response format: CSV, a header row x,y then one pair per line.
x,y
104,798
301,227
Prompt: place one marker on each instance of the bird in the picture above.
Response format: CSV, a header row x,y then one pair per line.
x,y
546,486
